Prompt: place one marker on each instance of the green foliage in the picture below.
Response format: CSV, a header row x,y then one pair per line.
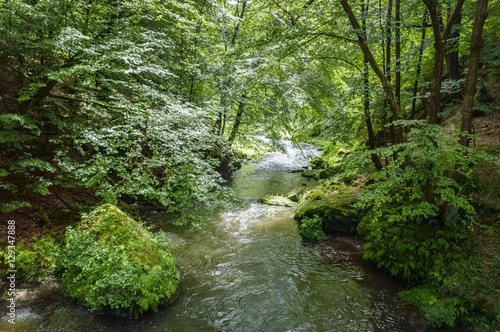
x,y
12,206
111,262
99,103
311,228
438,312
420,202
34,261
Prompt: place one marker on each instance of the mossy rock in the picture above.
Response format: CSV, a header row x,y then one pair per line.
x,y
276,200
317,174
309,173
333,170
296,194
335,205
317,162
111,262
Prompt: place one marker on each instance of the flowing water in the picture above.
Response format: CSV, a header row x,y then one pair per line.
x,y
249,270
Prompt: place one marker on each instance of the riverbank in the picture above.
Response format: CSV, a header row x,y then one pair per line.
x,y
450,264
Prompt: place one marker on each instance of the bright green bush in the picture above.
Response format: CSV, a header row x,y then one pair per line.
x,y
419,203
34,261
311,229
111,262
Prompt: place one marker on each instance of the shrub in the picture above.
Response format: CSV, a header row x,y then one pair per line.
x,y
311,229
111,262
419,202
35,261
438,312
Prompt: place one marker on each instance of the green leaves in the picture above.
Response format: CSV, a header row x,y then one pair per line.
x,y
111,262
419,203
311,228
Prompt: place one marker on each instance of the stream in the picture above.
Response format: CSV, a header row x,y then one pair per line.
x,y
249,270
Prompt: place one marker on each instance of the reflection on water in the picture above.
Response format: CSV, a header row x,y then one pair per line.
x,y
248,270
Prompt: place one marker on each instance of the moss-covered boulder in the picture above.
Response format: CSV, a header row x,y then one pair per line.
x,y
309,173
334,204
276,200
111,262
317,162
296,194
317,174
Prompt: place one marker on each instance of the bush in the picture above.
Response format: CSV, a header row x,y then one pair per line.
x,y
311,229
35,261
111,262
419,202
438,312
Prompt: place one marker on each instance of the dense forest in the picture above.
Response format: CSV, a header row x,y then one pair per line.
x,y
110,108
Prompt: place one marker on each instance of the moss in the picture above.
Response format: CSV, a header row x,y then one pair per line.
x,y
317,162
34,261
296,194
310,174
112,262
276,200
334,204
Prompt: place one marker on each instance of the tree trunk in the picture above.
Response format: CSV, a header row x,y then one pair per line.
x,y
221,121
388,38
237,120
439,53
386,84
398,52
366,94
473,68
453,65
224,121
419,67
388,63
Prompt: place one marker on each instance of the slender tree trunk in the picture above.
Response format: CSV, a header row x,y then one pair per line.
x,y
222,107
366,94
224,121
419,67
452,59
220,124
473,68
439,53
382,40
388,63
237,120
370,58
388,38
435,88
398,52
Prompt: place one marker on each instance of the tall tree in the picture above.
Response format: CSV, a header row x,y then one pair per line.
x,y
419,66
439,53
366,90
398,52
386,83
473,68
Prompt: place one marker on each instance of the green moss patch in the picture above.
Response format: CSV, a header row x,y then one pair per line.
x,y
276,200
111,262
334,204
